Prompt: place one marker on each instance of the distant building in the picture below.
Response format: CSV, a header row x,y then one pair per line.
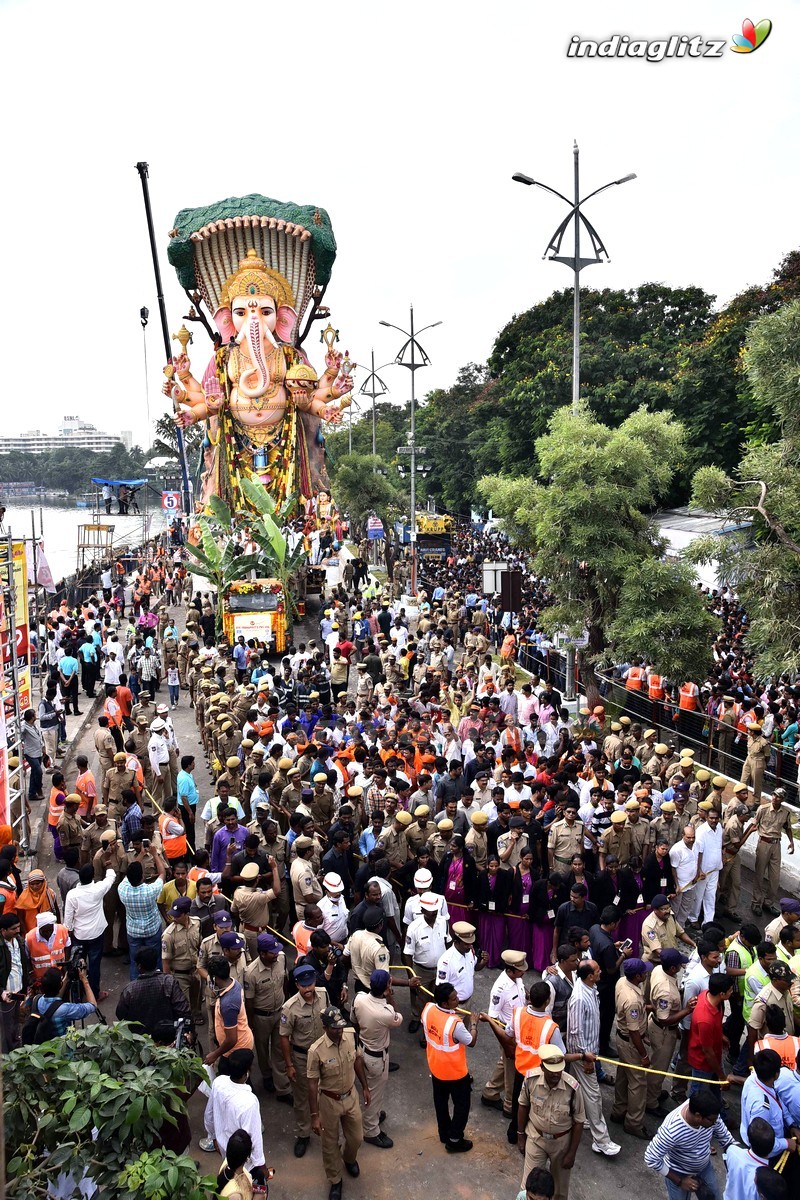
x,y
71,432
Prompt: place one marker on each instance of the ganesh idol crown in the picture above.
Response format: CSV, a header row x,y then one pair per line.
x,y
260,268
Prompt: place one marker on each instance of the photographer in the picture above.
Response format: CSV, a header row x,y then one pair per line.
x,y
329,965
53,990
153,1001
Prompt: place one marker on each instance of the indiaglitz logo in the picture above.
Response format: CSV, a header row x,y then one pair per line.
x,y
676,45
751,37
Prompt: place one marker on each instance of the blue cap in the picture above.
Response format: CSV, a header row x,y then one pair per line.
x,y
636,966
268,943
231,941
673,958
379,981
304,974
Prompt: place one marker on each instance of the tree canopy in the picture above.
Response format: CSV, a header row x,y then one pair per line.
x,y
585,516
762,562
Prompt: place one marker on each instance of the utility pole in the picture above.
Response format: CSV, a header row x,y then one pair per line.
x,y
373,386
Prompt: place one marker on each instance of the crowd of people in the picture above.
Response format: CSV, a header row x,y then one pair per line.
x,y
395,810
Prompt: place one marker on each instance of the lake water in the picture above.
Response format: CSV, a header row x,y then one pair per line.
x,y
60,524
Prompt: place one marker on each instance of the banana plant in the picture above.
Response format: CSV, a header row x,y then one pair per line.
x,y
216,558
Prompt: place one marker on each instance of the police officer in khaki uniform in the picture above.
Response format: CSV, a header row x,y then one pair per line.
x,y
660,931
264,996
663,1022
666,826
376,1015
755,764
180,946
616,840
301,1026
333,1067
367,950
115,782
70,826
630,1087
565,838
770,822
730,876
92,836
394,840
637,828
550,1119
306,888
251,904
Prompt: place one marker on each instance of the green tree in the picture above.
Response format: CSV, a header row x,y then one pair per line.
x,y
360,490
762,560
451,424
586,520
104,1078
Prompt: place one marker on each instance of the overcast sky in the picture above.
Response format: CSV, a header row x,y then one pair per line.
x,y
405,121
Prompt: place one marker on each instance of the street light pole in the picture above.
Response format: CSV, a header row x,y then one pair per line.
x,y
574,261
373,386
414,349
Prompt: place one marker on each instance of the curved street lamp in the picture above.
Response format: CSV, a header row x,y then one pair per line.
x,y
574,261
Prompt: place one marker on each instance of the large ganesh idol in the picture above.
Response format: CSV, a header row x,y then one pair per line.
x,y
258,273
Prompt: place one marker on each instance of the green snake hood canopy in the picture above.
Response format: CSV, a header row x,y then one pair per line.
x,y
207,244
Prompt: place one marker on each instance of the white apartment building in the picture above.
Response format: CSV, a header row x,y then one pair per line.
x,y
72,432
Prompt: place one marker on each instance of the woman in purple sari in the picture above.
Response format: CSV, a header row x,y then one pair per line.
x,y
520,934
632,903
545,899
494,892
459,877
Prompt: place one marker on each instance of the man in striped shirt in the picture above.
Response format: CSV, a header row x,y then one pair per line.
x,y
583,1037
681,1150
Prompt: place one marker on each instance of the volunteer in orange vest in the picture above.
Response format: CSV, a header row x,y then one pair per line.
x,y
786,1045
655,686
173,834
634,678
47,945
689,693
529,1028
114,713
55,810
447,1039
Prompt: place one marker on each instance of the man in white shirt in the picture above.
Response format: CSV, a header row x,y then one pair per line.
x,y
427,940
708,845
85,918
683,857
231,1106
458,965
333,908
507,994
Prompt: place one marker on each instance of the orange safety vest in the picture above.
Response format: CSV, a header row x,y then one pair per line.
x,y
447,1058
688,697
655,687
244,1036
55,811
43,956
113,711
635,680
787,1048
174,847
8,889
531,1032
302,937
195,874
133,765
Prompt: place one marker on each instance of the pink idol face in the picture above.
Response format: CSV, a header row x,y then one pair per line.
x,y
262,307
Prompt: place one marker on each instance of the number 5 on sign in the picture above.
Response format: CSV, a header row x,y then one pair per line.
x,y
171,502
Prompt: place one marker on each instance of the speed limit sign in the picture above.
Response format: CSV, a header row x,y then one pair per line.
x,y
171,502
